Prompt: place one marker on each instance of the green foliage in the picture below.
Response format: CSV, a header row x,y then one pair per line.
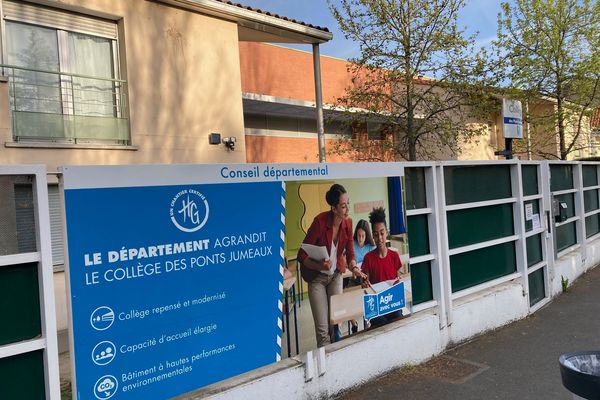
x,y
417,75
564,283
548,51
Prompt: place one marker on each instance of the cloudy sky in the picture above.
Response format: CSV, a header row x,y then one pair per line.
x,y
478,16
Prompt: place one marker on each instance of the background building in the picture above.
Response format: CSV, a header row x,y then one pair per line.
x,y
280,118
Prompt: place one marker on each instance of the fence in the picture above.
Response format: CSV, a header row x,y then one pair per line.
x,y
474,226
489,242
28,346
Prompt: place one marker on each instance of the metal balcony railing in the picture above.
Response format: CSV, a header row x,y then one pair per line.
x,y
50,106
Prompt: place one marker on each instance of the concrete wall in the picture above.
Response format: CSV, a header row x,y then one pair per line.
x,y
183,76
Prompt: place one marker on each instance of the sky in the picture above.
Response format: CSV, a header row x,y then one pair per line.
x,y
477,16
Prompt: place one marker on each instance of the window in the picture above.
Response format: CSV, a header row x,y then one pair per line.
x,y
291,125
375,130
63,76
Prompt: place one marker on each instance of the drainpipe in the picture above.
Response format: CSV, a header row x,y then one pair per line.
x,y
319,102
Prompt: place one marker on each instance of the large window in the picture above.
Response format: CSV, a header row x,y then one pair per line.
x,y
63,80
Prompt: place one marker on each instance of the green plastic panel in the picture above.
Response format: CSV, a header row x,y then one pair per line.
x,y
22,377
568,198
483,265
592,225
590,175
480,224
534,249
19,303
561,177
418,238
537,288
420,277
566,235
476,183
530,179
415,188
536,210
590,200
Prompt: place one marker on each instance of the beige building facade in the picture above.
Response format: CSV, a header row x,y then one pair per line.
x,y
128,82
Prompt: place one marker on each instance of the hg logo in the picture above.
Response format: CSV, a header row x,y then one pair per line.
x,y
371,304
189,210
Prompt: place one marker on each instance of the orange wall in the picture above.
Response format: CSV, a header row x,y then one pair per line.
x,y
262,149
281,72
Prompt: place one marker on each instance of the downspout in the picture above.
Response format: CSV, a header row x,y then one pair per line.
x,y
319,102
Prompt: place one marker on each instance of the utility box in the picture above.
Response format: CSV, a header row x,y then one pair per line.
x,y
560,210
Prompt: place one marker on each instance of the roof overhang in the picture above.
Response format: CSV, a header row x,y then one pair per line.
x,y
255,103
262,104
254,25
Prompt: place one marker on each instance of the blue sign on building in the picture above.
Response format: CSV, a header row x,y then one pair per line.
x,y
173,287
384,302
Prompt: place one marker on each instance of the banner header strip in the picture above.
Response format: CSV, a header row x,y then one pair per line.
x,y
114,176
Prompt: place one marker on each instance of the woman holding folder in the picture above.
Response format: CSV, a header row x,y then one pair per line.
x,y
333,231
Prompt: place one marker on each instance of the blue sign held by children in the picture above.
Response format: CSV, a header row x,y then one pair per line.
x,y
385,302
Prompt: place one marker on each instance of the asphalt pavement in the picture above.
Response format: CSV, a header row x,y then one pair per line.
x,y
518,361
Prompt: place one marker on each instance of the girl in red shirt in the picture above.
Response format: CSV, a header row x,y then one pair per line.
x,y
381,264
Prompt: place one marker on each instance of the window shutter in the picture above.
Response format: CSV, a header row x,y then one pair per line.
x,y
58,19
56,225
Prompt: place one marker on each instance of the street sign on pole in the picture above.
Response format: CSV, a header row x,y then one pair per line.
x,y
512,119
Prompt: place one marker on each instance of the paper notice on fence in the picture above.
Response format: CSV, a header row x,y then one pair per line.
x,y
536,221
528,212
317,253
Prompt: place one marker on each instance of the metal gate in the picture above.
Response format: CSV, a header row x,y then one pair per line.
x,y
28,345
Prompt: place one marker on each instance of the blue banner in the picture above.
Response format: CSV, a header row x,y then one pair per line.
x,y
513,121
384,302
173,287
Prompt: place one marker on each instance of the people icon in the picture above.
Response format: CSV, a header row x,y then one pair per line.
x,y
103,353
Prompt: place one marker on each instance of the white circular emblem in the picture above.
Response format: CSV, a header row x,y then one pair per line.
x,y
189,210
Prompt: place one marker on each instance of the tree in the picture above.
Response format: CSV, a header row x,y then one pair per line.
x,y
550,53
417,75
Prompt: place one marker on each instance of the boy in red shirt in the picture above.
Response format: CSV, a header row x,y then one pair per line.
x,y
381,264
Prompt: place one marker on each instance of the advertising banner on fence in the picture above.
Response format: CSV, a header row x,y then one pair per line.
x,y
176,273
173,287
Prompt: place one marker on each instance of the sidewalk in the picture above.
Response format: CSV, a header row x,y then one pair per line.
x,y
519,361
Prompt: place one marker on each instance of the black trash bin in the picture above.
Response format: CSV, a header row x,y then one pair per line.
x,y
580,372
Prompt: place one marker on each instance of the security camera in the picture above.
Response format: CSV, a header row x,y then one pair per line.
x,y
229,142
